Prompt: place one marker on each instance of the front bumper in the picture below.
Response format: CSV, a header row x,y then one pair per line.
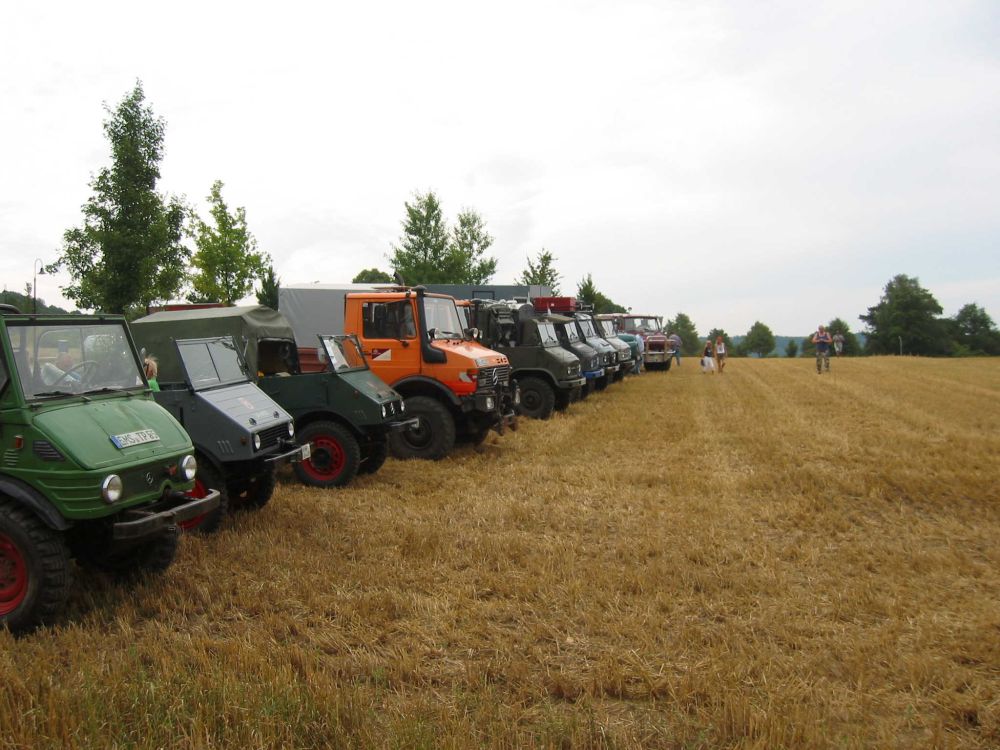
x,y
611,369
141,523
593,374
402,425
298,453
655,357
572,383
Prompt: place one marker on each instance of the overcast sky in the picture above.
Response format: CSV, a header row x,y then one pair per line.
x,y
737,161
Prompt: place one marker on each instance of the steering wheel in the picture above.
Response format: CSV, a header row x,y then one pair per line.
x,y
89,364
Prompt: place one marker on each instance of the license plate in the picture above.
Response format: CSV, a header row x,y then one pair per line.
x,y
306,451
128,439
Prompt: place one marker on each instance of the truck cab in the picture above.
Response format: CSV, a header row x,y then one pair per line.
x,y
626,358
345,413
569,339
549,377
659,348
92,468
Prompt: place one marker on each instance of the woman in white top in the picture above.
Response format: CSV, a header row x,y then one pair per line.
x,y
720,353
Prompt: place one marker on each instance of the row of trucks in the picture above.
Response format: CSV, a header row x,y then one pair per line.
x,y
100,466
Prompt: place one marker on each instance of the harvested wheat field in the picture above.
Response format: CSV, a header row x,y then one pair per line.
x,y
766,558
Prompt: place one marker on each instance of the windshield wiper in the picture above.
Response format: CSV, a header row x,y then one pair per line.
x,y
106,389
55,393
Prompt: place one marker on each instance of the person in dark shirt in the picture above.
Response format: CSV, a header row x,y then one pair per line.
x,y
822,339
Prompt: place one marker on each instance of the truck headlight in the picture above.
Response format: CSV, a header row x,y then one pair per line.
x,y
256,441
291,429
111,488
489,402
402,407
189,467
385,413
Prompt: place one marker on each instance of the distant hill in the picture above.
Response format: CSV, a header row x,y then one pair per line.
x,y
23,303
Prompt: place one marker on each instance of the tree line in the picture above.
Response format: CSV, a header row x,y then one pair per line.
x,y
131,251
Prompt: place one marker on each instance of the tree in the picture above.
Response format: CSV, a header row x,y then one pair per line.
x,y
269,286
759,340
227,261
469,243
587,293
430,253
974,331
542,272
791,349
372,276
905,318
683,326
129,251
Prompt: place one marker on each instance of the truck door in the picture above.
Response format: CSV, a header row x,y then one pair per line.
x,y
389,338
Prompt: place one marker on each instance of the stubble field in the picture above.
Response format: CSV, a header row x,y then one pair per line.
x,y
766,558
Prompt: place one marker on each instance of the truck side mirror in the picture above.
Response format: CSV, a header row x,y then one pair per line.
x,y
472,333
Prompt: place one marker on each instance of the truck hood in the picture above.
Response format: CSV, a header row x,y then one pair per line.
x,y
83,432
370,384
247,404
479,354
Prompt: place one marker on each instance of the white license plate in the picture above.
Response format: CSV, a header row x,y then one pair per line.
x,y
128,439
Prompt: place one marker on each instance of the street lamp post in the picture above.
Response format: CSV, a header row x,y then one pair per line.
x,y
34,285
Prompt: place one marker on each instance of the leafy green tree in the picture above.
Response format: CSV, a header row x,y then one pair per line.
x,y
974,331
759,340
423,255
129,251
372,276
541,272
851,346
469,243
24,301
791,349
431,253
226,263
587,293
269,286
906,317
683,326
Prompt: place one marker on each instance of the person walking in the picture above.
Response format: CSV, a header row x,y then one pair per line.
x,y
677,347
640,347
838,343
708,358
822,339
720,353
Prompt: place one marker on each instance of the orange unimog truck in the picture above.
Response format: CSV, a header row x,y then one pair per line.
x,y
415,341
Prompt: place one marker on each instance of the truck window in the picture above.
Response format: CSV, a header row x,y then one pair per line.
x,y
3,373
388,320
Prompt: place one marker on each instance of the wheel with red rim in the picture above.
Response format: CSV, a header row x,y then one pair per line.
x,y
207,478
335,457
35,573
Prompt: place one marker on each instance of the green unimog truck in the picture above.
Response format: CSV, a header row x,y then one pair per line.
x,y
90,466
342,409
548,375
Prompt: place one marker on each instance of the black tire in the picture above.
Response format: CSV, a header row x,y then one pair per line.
x,y
434,437
602,382
208,478
254,493
666,365
538,400
152,556
586,389
374,456
35,571
335,457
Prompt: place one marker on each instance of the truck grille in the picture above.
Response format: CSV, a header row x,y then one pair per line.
x,y
271,436
491,378
655,345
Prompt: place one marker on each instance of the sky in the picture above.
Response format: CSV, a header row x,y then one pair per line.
x,y
735,161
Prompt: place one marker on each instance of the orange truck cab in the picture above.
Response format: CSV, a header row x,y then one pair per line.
x,y
416,342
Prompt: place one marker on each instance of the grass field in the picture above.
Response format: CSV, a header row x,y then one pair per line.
x,y
763,559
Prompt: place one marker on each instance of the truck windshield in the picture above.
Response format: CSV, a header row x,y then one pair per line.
x,y
64,359
587,327
343,353
547,332
606,328
442,318
644,325
571,332
211,362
